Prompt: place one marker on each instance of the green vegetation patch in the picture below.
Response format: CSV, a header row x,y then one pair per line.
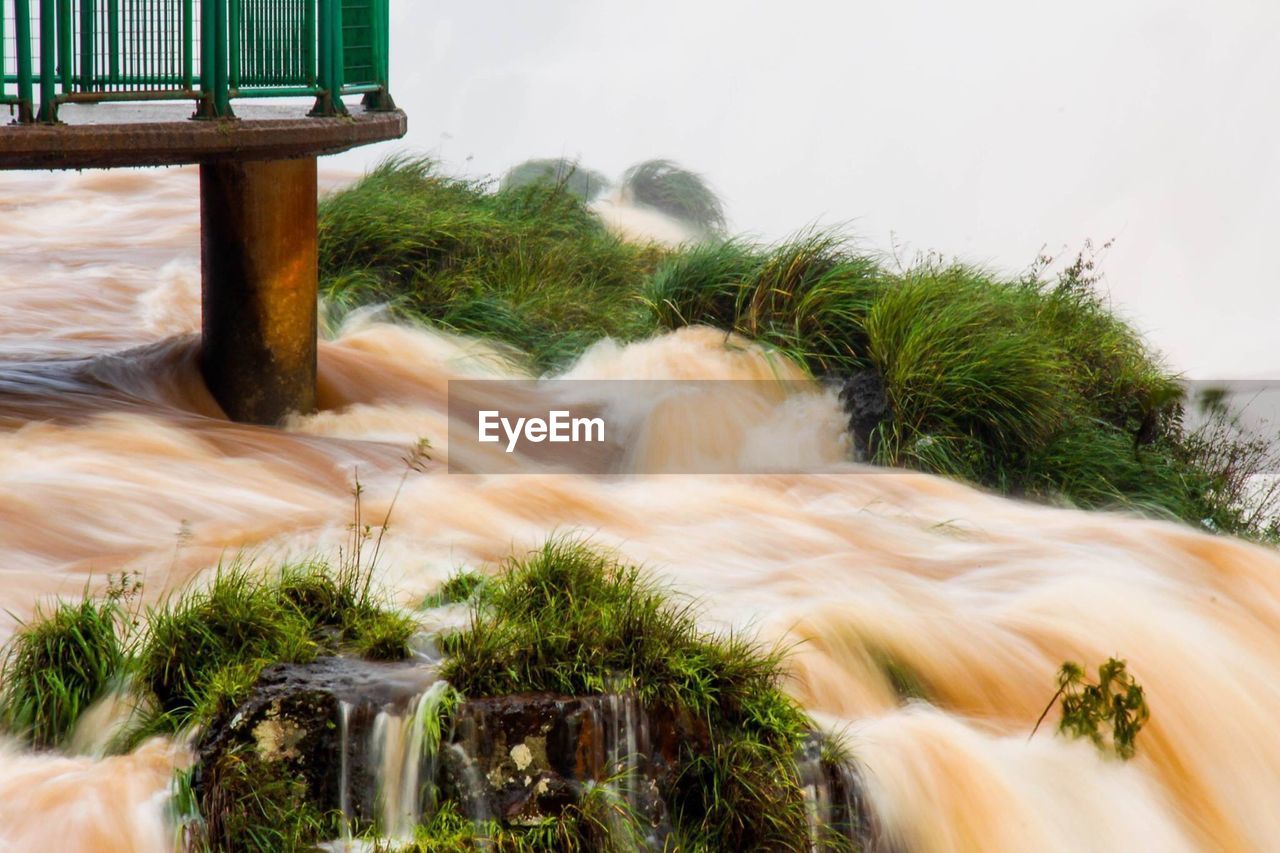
x,y
570,620
207,647
60,663
458,588
263,809
1029,385
597,824
193,655
1109,711
675,191
528,265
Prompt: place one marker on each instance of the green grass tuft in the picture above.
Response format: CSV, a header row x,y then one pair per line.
x,y
194,656
528,266
458,588
592,826
261,809
574,621
239,621
204,650
59,664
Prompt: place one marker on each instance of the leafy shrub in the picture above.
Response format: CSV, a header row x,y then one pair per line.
x,y
677,192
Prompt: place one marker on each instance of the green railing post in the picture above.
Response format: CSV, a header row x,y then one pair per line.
x,y
381,19
337,56
309,37
48,61
188,44
221,95
329,101
66,58
208,62
113,41
88,22
233,74
22,31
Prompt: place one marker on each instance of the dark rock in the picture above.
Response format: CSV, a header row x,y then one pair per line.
x,y
867,404
515,759
292,722
527,757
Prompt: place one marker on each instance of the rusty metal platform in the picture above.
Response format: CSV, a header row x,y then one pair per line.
x,y
98,136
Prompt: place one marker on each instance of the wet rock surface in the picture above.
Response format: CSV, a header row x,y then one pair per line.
x,y
293,722
524,758
867,405
514,759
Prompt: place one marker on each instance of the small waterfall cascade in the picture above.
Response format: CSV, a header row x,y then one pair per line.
x,y
384,744
405,747
834,799
630,799
344,767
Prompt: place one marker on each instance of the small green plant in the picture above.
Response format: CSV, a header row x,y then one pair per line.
x,y
458,588
1110,711
261,807
61,662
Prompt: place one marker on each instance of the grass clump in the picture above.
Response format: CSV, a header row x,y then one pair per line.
x,y
206,648
527,265
1030,385
193,656
573,621
260,808
590,826
458,588
241,622
59,664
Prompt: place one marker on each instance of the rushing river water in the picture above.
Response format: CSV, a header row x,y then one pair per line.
x,y
113,457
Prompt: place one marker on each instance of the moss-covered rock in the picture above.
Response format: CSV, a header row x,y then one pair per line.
x,y
306,728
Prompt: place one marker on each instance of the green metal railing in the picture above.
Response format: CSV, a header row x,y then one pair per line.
x,y
54,52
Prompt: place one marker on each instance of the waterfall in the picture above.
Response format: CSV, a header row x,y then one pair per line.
x,y
404,747
344,767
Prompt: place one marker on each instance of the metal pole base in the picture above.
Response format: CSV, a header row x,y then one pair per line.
x,y
258,245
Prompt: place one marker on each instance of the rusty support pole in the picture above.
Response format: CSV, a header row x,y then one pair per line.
x,y
258,245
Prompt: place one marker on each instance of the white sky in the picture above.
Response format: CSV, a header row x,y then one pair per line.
x,y
984,129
